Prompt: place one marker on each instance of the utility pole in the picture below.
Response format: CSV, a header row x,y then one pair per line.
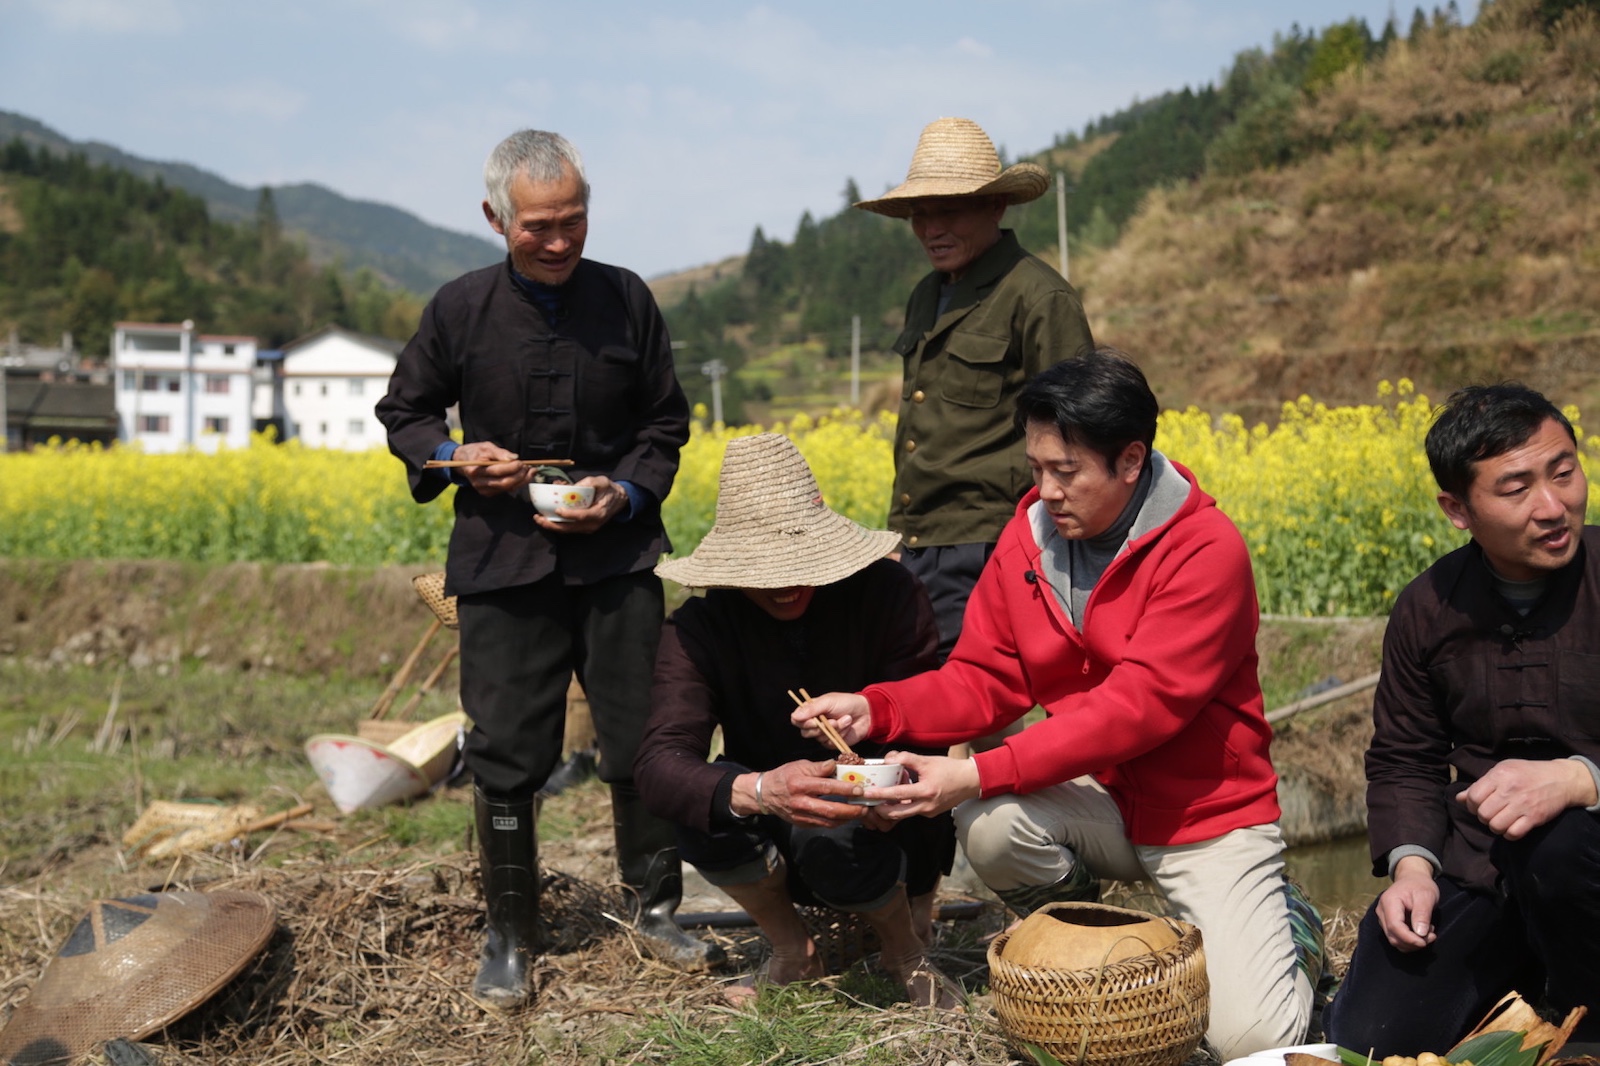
x,y
855,361
1061,219
5,366
715,371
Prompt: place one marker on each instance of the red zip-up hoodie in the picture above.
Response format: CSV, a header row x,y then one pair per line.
x,y
1156,695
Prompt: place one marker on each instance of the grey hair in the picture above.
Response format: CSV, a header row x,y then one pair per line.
x,y
541,155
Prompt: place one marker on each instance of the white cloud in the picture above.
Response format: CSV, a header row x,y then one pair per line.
x,y
266,100
112,16
974,48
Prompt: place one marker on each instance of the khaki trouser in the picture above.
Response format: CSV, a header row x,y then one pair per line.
x,y
1231,887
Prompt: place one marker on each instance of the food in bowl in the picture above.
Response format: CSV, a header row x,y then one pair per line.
x,y
869,773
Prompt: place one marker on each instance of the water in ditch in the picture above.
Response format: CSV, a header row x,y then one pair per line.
x,y
1337,874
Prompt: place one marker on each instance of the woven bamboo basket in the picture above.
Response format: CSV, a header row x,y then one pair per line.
x,y
843,938
1148,1010
430,587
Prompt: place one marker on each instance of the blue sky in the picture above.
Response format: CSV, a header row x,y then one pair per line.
x,y
698,120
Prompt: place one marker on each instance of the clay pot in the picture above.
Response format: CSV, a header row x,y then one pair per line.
x,y
1086,936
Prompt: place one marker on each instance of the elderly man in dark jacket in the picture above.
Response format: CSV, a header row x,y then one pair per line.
x,y
548,355
985,321
1483,794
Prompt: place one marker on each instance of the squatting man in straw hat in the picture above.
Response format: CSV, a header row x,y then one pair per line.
x,y
549,355
1119,599
985,320
800,597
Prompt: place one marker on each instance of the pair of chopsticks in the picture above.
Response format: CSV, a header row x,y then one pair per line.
x,y
828,731
445,464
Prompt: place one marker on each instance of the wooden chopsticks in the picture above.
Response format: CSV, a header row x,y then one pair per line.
x,y
829,733
445,464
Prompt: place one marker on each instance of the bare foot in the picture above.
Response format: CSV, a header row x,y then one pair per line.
x,y
927,987
924,984
780,968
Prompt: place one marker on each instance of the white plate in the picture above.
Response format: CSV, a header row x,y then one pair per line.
x,y
1274,1056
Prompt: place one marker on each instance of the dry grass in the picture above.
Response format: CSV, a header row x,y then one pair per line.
x,y
371,963
1442,225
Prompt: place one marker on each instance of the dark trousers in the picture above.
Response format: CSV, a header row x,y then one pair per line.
x,y
1541,938
948,573
519,648
847,867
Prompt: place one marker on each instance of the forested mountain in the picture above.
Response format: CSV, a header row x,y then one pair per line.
x,y
84,245
802,294
401,248
1433,214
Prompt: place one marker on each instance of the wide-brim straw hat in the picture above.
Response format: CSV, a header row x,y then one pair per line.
x,y
772,529
135,965
954,157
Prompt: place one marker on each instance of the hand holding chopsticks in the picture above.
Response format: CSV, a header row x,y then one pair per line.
x,y
449,464
829,733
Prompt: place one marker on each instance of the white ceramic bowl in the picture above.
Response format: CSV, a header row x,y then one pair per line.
x,y
546,498
874,773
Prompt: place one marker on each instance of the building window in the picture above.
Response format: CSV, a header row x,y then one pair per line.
x,y
217,424
358,428
153,383
297,388
227,349
155,424
130,381
174,384
357,386
218,384
324,388
322,427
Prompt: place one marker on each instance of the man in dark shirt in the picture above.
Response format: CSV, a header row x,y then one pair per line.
x,y
549,355
1482,783
800,597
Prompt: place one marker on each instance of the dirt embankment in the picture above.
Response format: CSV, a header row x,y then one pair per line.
x,y
301,619
322,620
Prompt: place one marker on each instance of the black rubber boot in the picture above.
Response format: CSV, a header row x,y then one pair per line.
x,y
647,857
508,857
1080,885
574,771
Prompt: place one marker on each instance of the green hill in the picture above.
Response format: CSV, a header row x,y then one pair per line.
x,y
401,248
1430,215
63,268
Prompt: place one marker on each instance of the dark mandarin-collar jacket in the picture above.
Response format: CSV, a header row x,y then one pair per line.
x,y
595,385
1467,682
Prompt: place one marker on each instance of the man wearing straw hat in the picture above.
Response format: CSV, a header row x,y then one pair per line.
x,y
989,317
799,596
1120,600
549,356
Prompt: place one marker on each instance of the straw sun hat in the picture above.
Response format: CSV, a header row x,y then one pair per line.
x,y
134,965
954,157
772,530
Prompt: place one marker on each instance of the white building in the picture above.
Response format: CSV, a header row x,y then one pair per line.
x,y
176,388
331,380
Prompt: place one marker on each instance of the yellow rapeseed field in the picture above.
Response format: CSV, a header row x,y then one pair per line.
x,y
1336,503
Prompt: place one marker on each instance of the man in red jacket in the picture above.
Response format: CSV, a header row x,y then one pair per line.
x,y
1119,599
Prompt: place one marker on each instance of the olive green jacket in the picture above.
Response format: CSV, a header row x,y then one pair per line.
x,y
959,463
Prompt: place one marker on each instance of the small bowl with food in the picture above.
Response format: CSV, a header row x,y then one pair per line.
x,y
868,773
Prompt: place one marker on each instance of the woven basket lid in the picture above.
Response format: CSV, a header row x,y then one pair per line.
x,y
772,529
134,965
430,587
